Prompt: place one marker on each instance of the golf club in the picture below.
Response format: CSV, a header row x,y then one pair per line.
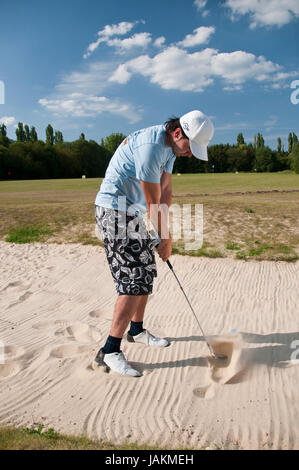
x,y
156,239
214,355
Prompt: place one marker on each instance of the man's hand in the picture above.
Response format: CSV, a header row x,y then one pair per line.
x,y
164,249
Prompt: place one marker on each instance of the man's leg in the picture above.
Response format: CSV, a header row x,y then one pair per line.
x,y
110,355
127,307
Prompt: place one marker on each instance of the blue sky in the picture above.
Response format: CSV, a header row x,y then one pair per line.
x,y
101,67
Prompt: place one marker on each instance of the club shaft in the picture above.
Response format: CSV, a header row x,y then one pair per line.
x,y
192,310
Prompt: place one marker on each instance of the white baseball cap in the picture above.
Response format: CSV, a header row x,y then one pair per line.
x,y
199,129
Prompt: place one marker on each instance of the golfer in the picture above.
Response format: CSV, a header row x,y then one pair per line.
x,y
137,180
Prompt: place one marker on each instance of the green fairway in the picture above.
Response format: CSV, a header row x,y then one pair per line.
x,y
232,182
191,183
246,215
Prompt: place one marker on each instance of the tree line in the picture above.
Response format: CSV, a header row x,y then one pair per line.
x,y
31,158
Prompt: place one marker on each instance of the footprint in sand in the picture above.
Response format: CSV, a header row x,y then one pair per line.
x,y
96,314
99,314
207,392
43,325
22,298
80,332
12,285
69,350
9,366
12,352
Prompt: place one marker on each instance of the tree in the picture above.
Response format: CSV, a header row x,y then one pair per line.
x,y
266,159
58,138
91,158
290,142
33,134
49,135
82,136
295,140
260,141
20,133
27,133
111,142
4,141
279,145
240,139
3,130
295,159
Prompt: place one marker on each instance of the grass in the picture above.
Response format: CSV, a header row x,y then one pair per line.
x,y
37,438
232,246
238,210
28,234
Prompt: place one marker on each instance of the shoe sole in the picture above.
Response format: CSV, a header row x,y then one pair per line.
x,y
99,362
130,338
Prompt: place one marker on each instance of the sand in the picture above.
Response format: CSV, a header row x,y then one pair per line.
x,y
56,306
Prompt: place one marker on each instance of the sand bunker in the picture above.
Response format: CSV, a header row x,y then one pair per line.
x,y
56,306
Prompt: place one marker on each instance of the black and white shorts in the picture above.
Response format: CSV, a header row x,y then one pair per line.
x,y
129,250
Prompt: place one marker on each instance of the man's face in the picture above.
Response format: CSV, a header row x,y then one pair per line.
x,y
180,145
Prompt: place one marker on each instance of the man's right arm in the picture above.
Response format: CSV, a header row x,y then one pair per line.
x,y
158,216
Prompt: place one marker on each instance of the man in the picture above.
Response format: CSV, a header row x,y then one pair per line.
x,y
137,180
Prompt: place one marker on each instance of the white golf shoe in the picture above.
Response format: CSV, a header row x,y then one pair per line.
x,y
117,362
147,338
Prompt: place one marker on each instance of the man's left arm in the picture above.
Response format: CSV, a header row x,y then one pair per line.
x,y
166,188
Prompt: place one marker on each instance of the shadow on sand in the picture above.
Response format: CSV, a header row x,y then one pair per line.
x,y
276,350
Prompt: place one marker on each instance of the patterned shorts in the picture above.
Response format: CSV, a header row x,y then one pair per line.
x,y
129,250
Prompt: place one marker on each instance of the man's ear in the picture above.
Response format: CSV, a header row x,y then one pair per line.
x,y
177,133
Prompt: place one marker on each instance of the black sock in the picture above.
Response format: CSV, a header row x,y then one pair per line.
x,y
136,328
112,345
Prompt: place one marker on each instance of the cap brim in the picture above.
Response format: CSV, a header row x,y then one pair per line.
x,y
199,151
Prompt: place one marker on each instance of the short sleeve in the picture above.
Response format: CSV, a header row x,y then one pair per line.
x,y
148,162
169,165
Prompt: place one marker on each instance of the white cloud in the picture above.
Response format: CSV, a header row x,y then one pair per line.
x,y
81,105
92,78
8,120
200,35
284,75
175,68
200,4
121,75
237,67
80,94
159,41
232,126
232,88
109,30
265,12
137,40
120,29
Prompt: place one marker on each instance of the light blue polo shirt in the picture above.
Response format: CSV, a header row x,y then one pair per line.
x,y
144,155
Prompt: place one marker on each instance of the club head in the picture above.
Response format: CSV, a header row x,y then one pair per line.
x,y
223,357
